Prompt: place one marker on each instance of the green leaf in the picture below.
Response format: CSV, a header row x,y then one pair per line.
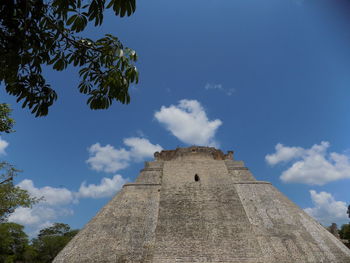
x,y
72,19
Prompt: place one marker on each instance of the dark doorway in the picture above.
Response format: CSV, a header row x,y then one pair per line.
x,y
196,178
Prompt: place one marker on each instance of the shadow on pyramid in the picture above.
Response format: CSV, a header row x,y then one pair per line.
x,y
197,204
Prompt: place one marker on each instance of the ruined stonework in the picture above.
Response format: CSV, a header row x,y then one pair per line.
x,y
197,204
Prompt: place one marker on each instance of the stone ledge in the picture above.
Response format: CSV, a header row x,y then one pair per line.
x,y
133,184
241,182
251,182
193,151
151,169
237,168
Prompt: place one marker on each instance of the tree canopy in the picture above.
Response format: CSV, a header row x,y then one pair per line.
x,y
6,122
11,196
13,242
51,241
345,232
34,33
15,246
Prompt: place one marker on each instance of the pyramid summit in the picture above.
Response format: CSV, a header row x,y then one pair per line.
x,y
198,204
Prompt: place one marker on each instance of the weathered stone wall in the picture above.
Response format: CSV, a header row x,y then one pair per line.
x,y
151,174
201,221
286,233
123,231
198,205
238,171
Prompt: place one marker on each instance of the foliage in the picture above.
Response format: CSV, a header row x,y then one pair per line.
x,y
344,232
11,196
51,241
34,33
14,245
14,242
30,255
6,123
334,229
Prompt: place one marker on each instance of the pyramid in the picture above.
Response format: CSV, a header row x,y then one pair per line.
x,y
198,204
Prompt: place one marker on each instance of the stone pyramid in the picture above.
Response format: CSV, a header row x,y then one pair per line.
x,y
197,204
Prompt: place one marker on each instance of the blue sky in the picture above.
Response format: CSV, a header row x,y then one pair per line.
x,y
267,79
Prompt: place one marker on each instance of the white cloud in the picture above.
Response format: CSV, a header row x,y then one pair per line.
x,y
57,202
326,209
25,216
3,145
141,148
189,123
311,166
51,195
283,154
108,187
45,212
109,159
219,87
38,217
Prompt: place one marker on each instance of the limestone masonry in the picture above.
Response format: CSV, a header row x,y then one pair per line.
x,y
197,204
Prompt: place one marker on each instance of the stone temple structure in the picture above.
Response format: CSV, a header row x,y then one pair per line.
x,y
197,204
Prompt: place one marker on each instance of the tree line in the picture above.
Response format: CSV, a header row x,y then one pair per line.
x,y
343,233
16,247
